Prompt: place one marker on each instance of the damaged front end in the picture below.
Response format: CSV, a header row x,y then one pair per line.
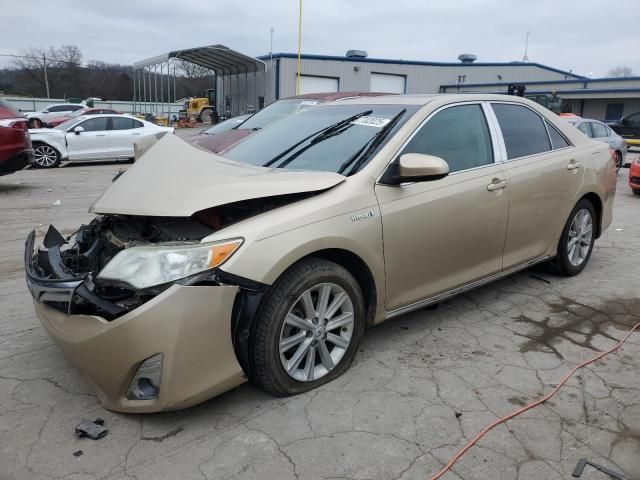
x,y
118,262
65,274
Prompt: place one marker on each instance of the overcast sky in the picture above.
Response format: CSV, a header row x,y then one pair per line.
x,y
586,36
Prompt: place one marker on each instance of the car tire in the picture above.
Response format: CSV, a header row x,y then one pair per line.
x,y
36,123
636,192
45,156
323,353
619,164
206,116
576,242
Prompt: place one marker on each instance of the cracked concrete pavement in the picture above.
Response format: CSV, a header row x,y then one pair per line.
x,y
421,385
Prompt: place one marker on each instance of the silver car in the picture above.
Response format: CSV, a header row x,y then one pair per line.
x,y
601,132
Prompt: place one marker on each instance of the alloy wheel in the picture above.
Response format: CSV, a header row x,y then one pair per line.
x,y
316,332
45,156
580,237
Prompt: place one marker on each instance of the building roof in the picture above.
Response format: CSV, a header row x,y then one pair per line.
x,y
307,56
219,58
583,81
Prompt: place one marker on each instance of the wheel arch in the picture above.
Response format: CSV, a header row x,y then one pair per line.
x,y
357,267
251,294
596,201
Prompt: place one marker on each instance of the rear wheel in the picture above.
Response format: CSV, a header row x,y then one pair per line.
x,y
308,328
576,242
45,156
619,160
35,123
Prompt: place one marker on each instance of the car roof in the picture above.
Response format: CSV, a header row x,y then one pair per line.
x,y
114,115
64,104
423,99
331,96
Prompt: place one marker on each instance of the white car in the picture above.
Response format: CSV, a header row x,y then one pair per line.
x,y
42,117
87,138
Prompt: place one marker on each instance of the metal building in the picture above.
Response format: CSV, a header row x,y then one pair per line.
x,y
245,84
605,99
358,73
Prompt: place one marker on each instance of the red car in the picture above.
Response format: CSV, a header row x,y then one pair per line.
x,y
634,175
15,142
83,111
217,142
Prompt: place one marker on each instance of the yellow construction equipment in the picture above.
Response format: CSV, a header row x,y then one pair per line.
x,y
201,109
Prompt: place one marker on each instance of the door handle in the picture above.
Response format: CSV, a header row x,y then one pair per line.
x,y
497,184
573,165
135,134
101,135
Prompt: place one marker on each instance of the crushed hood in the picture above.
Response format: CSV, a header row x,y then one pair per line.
x,y
175,179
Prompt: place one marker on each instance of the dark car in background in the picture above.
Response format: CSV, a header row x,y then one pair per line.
x,y
217,142
629,129
15,142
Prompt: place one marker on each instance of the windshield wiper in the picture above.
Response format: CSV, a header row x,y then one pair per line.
x,y
315,138
368,148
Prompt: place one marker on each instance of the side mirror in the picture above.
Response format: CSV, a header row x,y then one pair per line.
x,y
78,130
45,111
624,121
416,167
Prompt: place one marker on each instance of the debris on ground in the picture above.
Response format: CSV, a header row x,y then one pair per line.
x,y
583,462
77,453
57,203
94,430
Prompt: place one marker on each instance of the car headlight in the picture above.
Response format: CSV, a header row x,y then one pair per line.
x,y
146,266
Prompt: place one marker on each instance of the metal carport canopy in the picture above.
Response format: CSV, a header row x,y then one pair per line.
x,y
218,58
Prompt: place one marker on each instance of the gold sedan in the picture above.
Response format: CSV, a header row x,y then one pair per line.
x,y
269,262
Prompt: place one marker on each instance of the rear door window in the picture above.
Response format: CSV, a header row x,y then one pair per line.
x,y
523,130
95,124
121,123
458,134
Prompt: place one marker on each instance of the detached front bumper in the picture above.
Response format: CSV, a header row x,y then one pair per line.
x,y
189,325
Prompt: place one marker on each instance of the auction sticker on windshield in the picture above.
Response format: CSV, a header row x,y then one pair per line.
x,y
376,122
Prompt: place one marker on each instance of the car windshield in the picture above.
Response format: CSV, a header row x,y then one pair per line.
x,y
276,111
333,138
226,125
69,123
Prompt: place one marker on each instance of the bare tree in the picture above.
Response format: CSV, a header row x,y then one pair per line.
x,y
621,71
61,66
33,63
191,70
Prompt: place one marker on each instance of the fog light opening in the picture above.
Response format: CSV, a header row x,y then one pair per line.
x,y
145,384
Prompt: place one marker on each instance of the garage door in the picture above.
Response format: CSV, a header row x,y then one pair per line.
x,y
383,82
311,84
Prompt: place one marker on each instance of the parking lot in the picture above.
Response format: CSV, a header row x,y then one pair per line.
x,y
421,386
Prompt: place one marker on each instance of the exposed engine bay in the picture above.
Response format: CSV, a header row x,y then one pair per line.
x,y
84,254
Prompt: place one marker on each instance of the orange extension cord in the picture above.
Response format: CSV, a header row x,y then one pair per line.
x,y
497,422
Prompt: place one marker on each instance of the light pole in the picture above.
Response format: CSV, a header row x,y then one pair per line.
x,y
299,47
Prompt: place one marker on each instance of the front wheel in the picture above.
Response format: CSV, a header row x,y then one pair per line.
x,y
308,328
576,242
206,116
45,156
